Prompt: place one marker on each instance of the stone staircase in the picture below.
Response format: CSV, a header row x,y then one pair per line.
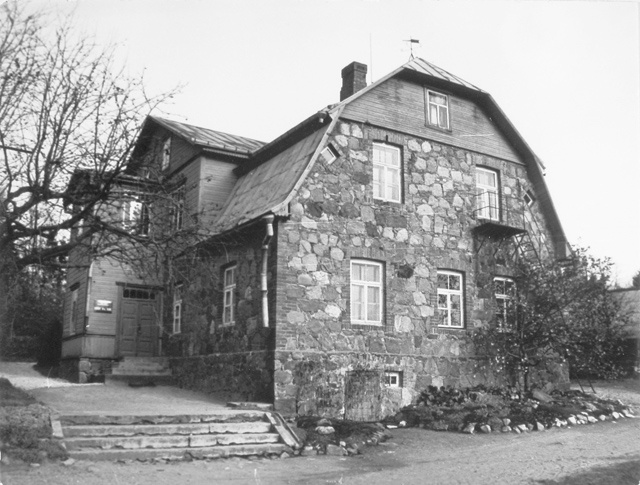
x,y
142,370
227,433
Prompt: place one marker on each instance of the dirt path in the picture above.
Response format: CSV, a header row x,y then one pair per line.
x,y
594,454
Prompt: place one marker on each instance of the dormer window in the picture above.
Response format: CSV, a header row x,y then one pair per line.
x,y
438,109
166,153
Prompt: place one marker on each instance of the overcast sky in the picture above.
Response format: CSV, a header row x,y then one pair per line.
x,y
567,74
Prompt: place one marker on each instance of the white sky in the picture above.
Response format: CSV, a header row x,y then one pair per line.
x,y
567,74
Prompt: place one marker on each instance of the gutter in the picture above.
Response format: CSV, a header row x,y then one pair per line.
x,y
268,219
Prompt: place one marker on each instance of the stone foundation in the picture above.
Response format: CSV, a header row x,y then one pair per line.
x,y
246,376
85,370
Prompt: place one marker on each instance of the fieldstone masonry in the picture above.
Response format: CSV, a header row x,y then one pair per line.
x,y
305,359
334,218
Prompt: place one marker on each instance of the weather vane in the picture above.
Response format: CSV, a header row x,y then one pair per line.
x,y
412,41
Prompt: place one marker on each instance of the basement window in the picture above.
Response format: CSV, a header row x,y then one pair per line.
x,y
393,379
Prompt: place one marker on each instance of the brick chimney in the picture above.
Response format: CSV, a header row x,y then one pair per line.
x,y
354,78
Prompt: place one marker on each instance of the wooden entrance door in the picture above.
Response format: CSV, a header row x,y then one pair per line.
x,y
138,329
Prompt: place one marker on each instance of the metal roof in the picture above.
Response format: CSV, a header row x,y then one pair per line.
x,y
210,138
269,184
424,67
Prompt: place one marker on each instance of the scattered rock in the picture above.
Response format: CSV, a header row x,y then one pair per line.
x,y
323,422
572,420
539,426
523,428
325,430
627,414
469,428
506,429
506,421
68,462
334,450
602,417
592,420
485,428
541,396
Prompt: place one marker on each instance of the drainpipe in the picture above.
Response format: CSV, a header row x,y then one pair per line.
x,y
268,219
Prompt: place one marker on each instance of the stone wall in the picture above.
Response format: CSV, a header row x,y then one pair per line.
x,y
334,218
246,376
207,354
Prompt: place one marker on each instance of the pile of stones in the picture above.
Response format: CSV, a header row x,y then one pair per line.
x,y
506,410
338,437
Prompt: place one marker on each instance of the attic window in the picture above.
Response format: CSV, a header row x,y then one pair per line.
x,y
437,109
166,153
529,198
329,154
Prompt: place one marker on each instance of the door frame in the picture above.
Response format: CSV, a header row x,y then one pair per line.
x,y
156,338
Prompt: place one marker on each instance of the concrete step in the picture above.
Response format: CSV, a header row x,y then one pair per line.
x,y
170,429
227,433
180,453
222,417
169,441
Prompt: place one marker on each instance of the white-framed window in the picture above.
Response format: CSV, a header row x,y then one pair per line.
x,y
504,289
450,299
386,172
488,200
329,154
529,198
438,109
166,153
366,292
135,216
177,208
229,296
393,379
73,311
177,309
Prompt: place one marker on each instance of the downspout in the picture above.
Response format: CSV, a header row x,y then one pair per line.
x,y
268,219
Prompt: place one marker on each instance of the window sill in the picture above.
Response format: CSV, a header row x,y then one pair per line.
x,y
448,131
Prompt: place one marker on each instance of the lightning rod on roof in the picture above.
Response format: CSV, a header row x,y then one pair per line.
x,y
411,41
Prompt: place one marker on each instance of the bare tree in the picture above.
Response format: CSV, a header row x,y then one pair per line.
x,y
65,109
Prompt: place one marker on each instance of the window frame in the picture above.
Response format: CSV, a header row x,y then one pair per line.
x,y
178,197
366,284
438,108
504,316
73,311
176,315
229,289
491,211
166,154
386,170
389,376
529,198
449,293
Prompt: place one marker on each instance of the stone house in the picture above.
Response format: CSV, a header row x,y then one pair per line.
x,y
342,266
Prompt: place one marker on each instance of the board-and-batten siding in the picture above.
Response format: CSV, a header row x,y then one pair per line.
x,y
216,183
400,105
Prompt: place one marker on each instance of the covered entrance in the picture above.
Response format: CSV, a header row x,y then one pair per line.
x,y
138,329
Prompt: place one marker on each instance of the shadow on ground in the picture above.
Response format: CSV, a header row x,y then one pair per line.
x,y
624,473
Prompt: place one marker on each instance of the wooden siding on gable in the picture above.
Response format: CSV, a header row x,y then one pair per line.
x,y
400,105
181,151
216,183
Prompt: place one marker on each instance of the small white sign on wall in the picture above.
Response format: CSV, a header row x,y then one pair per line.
x,y
103,306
